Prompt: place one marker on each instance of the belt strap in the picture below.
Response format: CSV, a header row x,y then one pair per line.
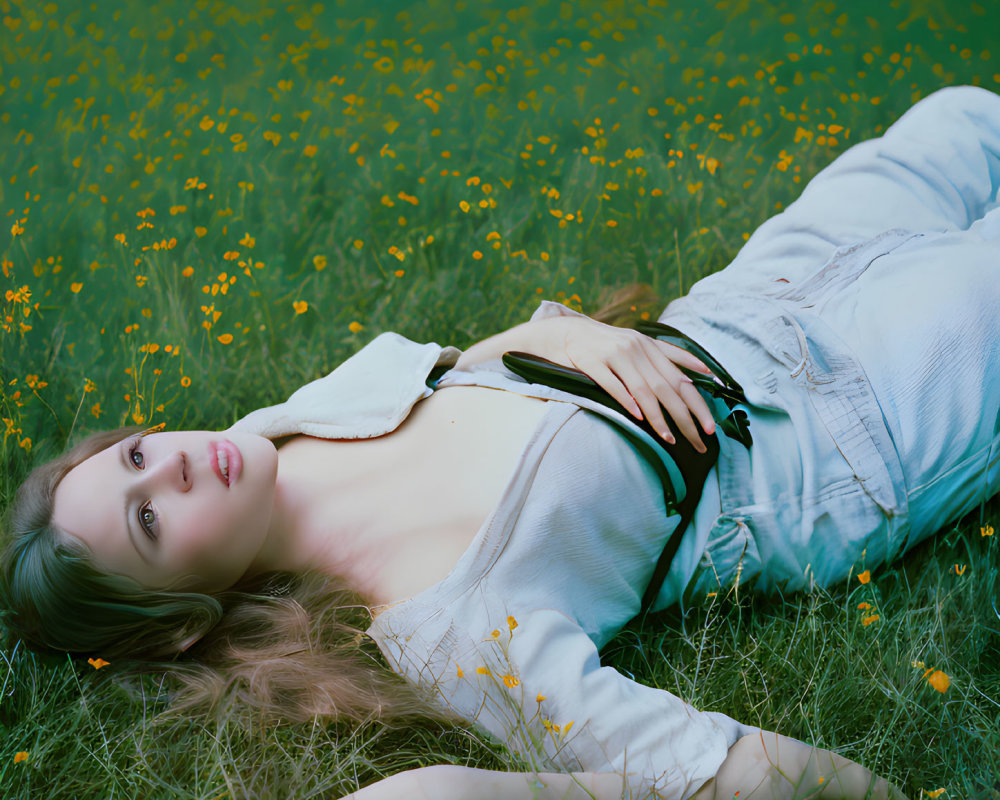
x,y
694,466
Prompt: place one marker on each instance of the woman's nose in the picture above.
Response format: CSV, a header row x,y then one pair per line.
x,y
174,472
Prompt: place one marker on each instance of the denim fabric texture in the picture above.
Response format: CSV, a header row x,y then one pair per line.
x,y
862,323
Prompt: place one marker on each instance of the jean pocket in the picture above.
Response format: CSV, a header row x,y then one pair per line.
x,y
731,555
824,388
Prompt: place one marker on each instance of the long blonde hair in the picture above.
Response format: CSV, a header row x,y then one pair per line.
x,y
288,646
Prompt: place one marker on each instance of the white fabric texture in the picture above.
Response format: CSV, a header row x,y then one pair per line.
x,y
368,395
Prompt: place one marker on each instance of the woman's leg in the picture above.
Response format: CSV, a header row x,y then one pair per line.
x,y
923,323
920,317
896,361
937,168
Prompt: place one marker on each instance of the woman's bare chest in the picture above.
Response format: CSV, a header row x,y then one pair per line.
x,y
459,447
426,488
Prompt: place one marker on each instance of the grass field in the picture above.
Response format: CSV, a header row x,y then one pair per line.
x,y
209,203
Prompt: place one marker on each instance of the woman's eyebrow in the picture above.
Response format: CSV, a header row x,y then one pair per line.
x,y
128,527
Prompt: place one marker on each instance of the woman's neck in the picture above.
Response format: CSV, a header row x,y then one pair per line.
x,y
304,490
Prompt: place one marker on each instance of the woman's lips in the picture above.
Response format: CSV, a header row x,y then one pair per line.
x,y
234,457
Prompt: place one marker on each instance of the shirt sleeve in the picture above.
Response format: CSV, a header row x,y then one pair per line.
x,y
368,395
535,682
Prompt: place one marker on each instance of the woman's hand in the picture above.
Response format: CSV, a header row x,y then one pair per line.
x,y
768,766
638,371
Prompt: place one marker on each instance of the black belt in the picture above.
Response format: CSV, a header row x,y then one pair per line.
x,y
694,466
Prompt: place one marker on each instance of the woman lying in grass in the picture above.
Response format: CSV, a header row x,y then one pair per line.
x,y
494,532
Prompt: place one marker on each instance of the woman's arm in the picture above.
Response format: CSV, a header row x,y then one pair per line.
x,y
761,766
768,766
447,782
638,371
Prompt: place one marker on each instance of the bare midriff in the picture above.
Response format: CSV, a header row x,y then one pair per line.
x,y
422,492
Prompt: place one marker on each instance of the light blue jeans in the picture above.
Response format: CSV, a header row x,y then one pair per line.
x,y
864,324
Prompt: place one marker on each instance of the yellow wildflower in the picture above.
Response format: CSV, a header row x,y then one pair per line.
x,y
939,680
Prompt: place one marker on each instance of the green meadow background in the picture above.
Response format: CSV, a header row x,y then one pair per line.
x,y
207,204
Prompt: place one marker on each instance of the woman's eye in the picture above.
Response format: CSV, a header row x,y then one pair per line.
x,y
147,519
133,454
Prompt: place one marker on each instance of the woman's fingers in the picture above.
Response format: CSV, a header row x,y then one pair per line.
x,y
678,394
646,393
701,410
644,375
666,363
603,376
678,355
653,397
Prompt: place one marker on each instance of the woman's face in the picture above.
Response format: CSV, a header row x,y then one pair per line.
x,y
158,509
